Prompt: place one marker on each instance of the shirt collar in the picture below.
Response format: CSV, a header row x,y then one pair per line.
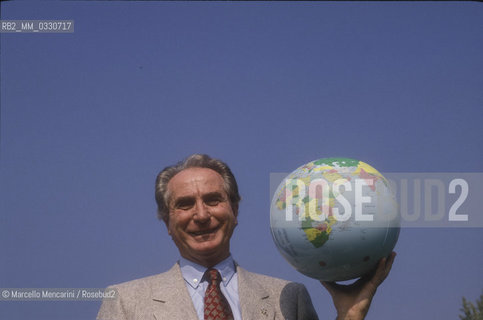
x,y
193,272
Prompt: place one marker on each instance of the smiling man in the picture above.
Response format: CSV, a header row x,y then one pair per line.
x,y
201,218
198,201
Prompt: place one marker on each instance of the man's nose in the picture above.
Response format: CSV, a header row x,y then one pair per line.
x,y
201,213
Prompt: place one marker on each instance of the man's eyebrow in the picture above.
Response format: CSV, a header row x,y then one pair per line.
x,y
214,194
209,195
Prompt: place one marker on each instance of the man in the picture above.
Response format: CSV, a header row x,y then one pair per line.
x,y
198,201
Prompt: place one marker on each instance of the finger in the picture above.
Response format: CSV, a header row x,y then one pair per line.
x,y
389,262
330,286
383,268
380,271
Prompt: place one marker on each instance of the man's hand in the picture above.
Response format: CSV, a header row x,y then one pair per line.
x,y
352,301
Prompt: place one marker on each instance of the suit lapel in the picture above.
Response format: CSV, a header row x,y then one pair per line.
x,y
254,299
170,297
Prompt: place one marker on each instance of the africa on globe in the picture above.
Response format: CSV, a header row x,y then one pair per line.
x,y
333,219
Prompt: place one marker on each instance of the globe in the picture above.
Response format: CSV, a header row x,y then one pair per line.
x,y
332,219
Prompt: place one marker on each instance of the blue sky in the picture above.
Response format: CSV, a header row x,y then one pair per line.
x,y
89,118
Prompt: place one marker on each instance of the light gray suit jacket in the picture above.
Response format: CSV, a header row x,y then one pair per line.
x,y
165,297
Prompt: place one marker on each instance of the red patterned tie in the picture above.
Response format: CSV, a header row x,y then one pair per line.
x,y
216,306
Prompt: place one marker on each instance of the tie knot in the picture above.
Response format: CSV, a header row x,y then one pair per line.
x,y
213,275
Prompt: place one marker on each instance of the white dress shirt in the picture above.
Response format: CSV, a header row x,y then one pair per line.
x,y
193,274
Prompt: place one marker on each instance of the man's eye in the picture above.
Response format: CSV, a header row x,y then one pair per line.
x,y
184,205
213,202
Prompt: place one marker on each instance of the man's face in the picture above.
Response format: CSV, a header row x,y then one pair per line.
x,y
201,219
